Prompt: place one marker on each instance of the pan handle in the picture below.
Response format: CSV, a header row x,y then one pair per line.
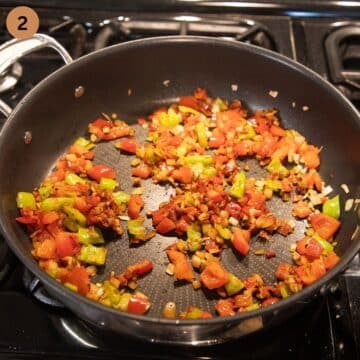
x,y
13,50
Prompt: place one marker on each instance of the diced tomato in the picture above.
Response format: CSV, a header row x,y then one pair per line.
x,y
181,226
214,275
311,156
234,209
240,240
67,244
101,123
79,277
101,171
175,140
277,130
28,219
141,268
46,250
330,260
310,272
142,171
270,254
49,217
159,215
326,226
138,304
301,210
262,123
309,247
127,145
216,141
165,226
182,268
184,175
228,119
190,101
269,301
224,307
284,270
135,205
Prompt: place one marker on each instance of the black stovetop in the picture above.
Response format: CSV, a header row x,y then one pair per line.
x,y
34,326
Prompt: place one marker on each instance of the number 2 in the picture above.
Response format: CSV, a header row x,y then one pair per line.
x,y
23,21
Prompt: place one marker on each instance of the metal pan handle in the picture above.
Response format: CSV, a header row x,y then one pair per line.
x,y
13,50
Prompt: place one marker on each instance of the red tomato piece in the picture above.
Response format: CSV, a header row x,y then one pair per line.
x,y
135,205
141,268
165,226
182,268
159,215
79,277
214,195
101,171
309,247
330,260
49,217
234,209
324,225
142,171
138,304
225,307
127,145
181,226
67,244
310,272
269,301
190,101
311,156
216,141
284,270
46,250
277,130
184,175
240,240
214,275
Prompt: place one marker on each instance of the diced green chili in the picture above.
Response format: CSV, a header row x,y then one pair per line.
x,y
169,118
194,238
283,290
253,307
75,215
194,313
331,207
45,190
71,286
223,232
121,197
238,187
136,227
85,143
108,184
90,235
234,285
324,243
201,131
92,255
209,171
73,179
55,204
193,159
70,224
25,200
124,301
276,167
274,185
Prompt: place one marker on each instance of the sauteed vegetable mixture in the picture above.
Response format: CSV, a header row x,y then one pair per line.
x,y
200,146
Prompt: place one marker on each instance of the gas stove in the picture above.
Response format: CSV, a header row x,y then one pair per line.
x,y
34,325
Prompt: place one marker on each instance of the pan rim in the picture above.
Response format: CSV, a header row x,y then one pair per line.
x,y
56,287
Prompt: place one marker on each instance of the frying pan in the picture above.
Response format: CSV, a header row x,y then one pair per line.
x,y
158,71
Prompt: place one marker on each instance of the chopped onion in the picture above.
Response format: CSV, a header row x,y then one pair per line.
x,y
305,108
355,232
234,87
166,83
345,188
273,93
327,190
233,221
349,204
124,217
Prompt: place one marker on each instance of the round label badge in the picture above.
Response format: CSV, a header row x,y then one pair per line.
x,y
22,22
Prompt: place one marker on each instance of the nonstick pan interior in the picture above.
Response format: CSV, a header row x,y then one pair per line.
x,y
157,73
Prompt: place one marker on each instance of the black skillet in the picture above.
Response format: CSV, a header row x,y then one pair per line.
x,y
158,71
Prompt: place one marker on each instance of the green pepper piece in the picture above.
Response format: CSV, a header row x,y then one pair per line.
x,y
84,143
234,285
238,187
274,185
45,191
203,159
71,286
25,200
169,118
90,235
92,255
73,179
194,313
253,307
108,184
331,207
124,301
201,131
55,204
70,224
75,215
193,237
327,247
136,227
223,232
276,167
121,197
